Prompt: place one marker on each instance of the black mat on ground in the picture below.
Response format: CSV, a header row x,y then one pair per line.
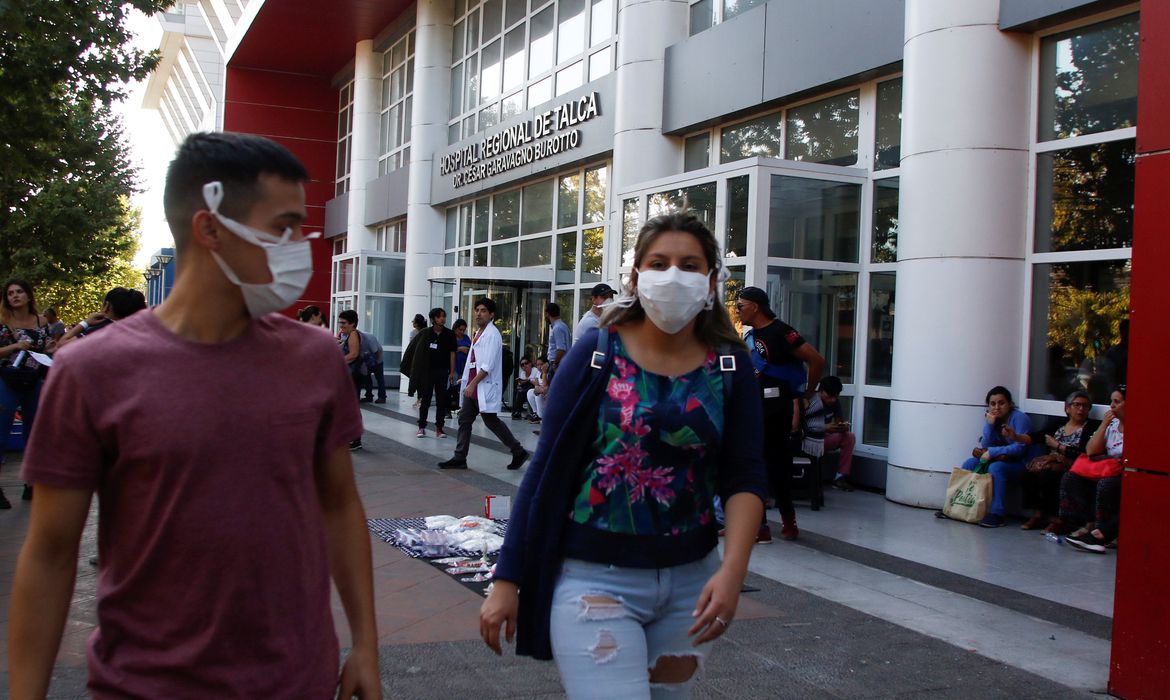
x,y
386,529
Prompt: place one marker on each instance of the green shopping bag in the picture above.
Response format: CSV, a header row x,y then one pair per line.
x,y
968,495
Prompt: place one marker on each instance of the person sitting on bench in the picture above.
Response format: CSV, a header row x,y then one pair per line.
x,y
825,430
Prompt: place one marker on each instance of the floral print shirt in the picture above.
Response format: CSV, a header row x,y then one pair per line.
x,y
657,445
38,337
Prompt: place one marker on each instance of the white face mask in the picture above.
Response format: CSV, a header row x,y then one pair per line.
x,y
672,298
290,264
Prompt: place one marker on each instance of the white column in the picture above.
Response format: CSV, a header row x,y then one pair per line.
x,y
425,224
367,93
961,240
640,151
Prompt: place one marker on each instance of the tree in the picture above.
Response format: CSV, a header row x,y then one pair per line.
x,y
65,177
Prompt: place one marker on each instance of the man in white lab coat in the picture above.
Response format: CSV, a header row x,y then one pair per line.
x,y
483,383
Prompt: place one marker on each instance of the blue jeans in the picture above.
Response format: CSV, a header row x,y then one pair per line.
x,y
1000,473
26,399
610,625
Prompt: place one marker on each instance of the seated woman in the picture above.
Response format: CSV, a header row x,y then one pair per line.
x,y
1087,502
1065,441
1004,459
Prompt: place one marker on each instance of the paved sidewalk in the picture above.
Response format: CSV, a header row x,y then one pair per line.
x,y
786,642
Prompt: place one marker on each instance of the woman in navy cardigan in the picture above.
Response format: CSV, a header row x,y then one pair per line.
x,y
610,563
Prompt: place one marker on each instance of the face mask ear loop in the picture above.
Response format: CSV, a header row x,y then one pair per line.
x,y
213,196
721,277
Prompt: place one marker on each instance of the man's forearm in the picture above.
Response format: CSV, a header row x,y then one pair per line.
x,y
350,565
41,593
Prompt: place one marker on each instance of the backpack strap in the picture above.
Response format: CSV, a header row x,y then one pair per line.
x,y
602,350
727,367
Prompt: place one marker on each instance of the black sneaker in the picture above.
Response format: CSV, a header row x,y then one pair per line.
x,y
4,504
453,463
1086,543
381,400
519,459
992,520
842,484
367,399
26,495
355,445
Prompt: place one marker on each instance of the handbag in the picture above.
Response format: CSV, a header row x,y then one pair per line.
x,y
968,495
1048,463
1101,467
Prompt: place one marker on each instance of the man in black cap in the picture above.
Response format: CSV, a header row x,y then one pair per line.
x,y
601,293
779,354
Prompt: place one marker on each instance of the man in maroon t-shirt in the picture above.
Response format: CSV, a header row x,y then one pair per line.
x,y
216,434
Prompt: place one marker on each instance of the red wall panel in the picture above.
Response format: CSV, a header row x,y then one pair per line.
x,y
300,113
1141,617
1153,75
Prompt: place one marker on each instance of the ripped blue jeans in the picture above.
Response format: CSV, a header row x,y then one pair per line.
x,y
622,633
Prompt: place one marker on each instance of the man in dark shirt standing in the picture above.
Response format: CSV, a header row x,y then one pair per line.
x,y
779,354
436,350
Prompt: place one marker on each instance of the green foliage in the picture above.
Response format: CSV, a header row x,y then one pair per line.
x,y
65,177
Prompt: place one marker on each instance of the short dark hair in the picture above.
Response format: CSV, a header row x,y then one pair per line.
x,y
125,302
349,316
308,312
1000,391
553,309
831,385
237,161
419,322
487,304
458,324
437,312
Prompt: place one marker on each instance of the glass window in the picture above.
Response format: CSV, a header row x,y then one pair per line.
x,y
820,305
887,152
568,194
595,183
479,256
1084,197
504,255
571,77
540,92
536,251
564,299
452,227
471,83
731,8
823,131
566,257
458,38
696,152
813,219
1089,79
489,117
732,286
482,222
601,63
758,137
465,211
738,190
540,43
600,21
490,71
344,280
385,275
384,319
885,220
630,226
514,58
880,358
457,92
514,12
592,245
538,207
696,199
506,215
493,13
570,29
1079,328
702,16
512,105
876,428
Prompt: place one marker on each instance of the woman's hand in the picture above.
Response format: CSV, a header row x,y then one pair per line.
x,y
1051,442
1108,418
1009,433
95,318
977,452
502,606
991,417
716,607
